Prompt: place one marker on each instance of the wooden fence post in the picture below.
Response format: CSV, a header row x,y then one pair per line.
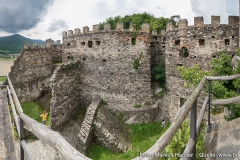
x,y
193,126
21,138
209,104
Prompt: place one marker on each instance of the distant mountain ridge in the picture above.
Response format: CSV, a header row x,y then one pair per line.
x,y
14,44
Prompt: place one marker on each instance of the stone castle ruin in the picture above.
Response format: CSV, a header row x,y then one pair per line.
x,y
99,62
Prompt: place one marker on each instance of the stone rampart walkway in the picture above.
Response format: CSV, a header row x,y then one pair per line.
x,y
224,139
7,151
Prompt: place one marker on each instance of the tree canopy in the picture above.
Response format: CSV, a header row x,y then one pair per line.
x,y
137,20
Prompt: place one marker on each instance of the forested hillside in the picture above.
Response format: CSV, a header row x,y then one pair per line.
x,y
14,44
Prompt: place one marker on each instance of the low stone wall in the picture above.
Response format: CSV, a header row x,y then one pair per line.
x,y
110,132
86,133
147,113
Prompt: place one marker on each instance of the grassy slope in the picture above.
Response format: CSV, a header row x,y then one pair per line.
x,y
32,110
143,137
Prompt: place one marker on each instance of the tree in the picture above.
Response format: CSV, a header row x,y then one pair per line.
x,y
221,89
175,20
137,21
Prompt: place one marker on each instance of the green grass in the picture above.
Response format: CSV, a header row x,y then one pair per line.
x,y
32,110
2,79
137,106
143,136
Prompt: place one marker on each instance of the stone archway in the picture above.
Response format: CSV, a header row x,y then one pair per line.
x,y
184,51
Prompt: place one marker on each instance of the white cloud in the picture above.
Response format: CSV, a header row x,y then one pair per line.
x,y
65,15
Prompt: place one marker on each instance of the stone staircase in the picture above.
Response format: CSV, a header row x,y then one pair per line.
x,y
224,138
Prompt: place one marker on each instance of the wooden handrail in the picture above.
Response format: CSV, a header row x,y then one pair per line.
x,y
226,101
46,135
181,115
224,78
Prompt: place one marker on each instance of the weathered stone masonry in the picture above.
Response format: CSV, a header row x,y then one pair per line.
x,y
202,42
104,63
33,68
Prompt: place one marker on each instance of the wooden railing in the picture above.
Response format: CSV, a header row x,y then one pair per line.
x,y
181,115
47,136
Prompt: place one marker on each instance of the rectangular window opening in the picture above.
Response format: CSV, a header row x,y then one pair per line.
x,y
104,60
133,41
68,44
98,43
213,36
227,42
84,59
90,44
177,42
82,43
232,36
201,42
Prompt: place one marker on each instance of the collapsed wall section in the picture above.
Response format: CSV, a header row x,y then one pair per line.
x,y
192,45
106,64
32,69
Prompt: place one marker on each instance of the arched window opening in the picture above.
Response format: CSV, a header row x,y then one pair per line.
x,y
184,52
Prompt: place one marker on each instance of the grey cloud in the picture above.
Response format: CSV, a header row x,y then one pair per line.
x,y
222,8
57,24
17,15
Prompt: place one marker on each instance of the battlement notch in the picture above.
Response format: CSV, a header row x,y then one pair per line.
x,y
215,20
183,23
154,32
70,33
198,21
233,20
119,26
35,45
145,27
96,28
77,31
170,26
107,27
64,34
49,42
85,29
26,45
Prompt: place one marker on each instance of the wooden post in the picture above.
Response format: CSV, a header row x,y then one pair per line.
x,y
21,138
209,104
193,126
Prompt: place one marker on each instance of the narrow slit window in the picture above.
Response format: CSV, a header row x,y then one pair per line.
x,y
104,60
213,36
90,44
201,42
177,42
98,43
227,42
133,41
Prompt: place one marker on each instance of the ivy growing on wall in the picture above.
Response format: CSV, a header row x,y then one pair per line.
x,y
136,63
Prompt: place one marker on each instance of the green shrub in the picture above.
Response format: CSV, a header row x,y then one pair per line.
x,y
137,106
104,103
136,63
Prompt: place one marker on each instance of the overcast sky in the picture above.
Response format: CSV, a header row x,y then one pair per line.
x,y
43,19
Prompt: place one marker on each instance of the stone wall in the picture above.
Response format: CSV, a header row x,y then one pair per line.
x,y
86,131
67,95
110,132
32,69
106,62
202,42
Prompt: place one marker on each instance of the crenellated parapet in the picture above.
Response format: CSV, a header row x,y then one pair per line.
x,y
199,22
49,43
106,28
